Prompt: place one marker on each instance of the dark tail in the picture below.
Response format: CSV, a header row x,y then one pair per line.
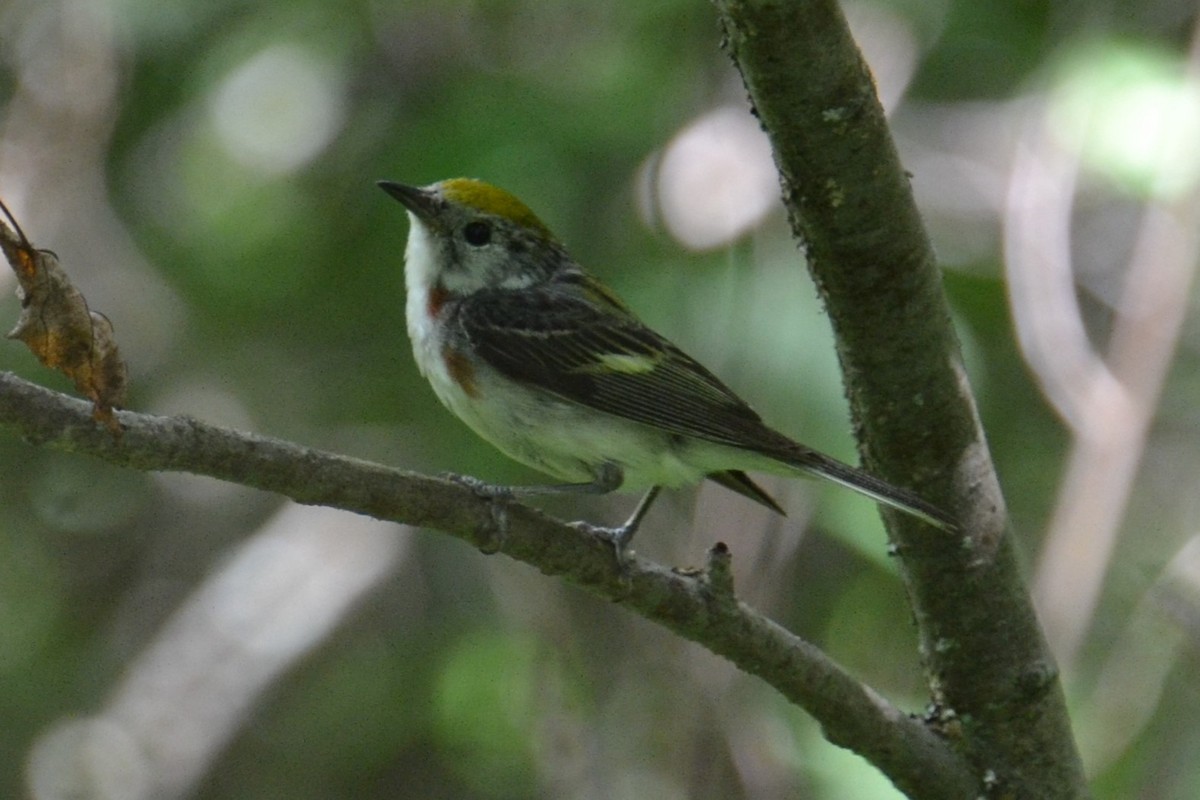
x,y
877,489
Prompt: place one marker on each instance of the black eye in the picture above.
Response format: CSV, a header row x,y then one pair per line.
x,y
477,233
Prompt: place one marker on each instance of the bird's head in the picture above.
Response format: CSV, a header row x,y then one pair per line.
x,y
468,235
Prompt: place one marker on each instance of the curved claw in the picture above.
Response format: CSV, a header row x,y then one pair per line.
x,y
496,530
617,538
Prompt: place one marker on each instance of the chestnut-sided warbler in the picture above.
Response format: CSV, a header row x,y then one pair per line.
x,y
547,364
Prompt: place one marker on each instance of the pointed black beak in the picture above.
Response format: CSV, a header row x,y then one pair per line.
x,y
421,203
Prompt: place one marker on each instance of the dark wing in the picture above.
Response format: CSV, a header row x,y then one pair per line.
x,y
597,354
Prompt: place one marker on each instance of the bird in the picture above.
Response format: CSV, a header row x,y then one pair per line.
x,y
546,363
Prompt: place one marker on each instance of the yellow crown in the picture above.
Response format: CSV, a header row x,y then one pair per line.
x,y
491,200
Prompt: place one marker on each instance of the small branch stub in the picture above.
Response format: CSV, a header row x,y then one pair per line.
x,y
718,574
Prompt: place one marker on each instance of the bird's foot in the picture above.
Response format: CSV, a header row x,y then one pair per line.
x,y
618,539
494,532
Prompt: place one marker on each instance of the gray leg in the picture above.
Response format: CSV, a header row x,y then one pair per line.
x,y
624,534
608,479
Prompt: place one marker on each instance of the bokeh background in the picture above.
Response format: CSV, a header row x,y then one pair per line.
x,y
205,173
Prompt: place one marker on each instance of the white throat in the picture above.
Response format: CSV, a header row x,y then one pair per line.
x,y
420,275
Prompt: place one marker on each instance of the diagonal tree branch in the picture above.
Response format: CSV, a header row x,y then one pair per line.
x,y
851,204
698,606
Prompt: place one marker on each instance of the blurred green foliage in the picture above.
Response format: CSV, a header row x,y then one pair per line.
x,y
205,172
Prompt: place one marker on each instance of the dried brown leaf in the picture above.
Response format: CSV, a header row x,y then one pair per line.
x,y
59,328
